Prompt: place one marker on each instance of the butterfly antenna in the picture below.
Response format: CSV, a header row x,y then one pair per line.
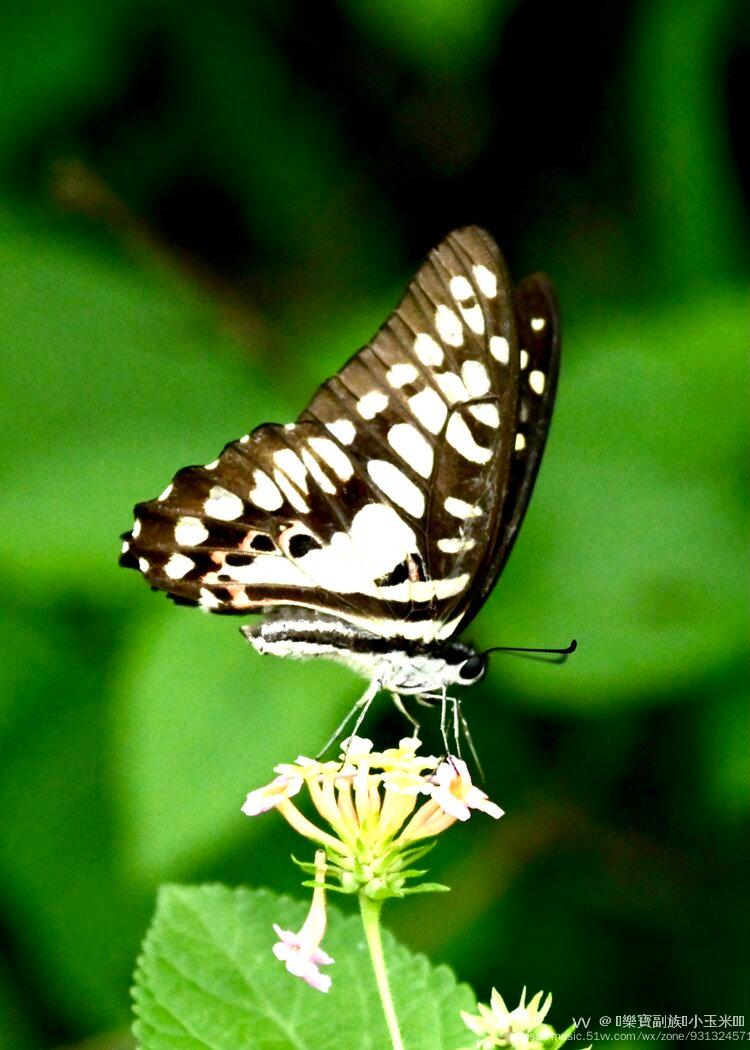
x,y
559,656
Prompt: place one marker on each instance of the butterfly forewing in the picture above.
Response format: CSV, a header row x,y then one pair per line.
x,y
397,493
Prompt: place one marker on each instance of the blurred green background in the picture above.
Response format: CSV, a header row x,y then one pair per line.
x,y
203,211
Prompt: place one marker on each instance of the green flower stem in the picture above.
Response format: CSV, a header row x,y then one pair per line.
x,y
370,911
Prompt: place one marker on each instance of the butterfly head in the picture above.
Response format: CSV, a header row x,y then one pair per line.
x,y
473,669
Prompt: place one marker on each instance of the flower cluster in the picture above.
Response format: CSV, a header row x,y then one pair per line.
x,y
523,1028
380,807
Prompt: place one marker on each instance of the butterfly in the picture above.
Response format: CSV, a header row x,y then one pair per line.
x,y
372,529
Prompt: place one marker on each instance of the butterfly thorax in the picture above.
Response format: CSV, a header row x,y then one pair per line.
x,y
400,665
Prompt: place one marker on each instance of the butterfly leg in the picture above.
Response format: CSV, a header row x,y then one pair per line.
x,y
360,709
398,701
469,741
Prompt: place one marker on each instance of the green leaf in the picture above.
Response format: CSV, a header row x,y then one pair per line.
x,y
201,720
207,978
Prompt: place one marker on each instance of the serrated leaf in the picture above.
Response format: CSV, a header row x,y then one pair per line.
x,y
207,980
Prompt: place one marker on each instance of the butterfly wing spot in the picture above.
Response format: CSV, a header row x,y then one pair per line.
x,y
125,547
291,493
520,443
223,504
500,348
427,350
166,493
333,456
177,566
429,409
475,378
486,281
265,494
536,381
244,439
189,531
459,437
412,447
343,430
287,460
208,599
136,530
452,387
456,544
449,326
207,466
397,487
538,323
524,359
318,475
459,508
460,288
401,374
487,414
473,317
372,403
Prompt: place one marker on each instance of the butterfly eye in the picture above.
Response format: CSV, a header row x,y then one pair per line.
x,y
473,668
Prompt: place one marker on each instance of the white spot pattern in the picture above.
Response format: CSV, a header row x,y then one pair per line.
x,y
397,486
317,474
461,438
208,599
335,457
291,492
486,281
524,359
538,323
430,409
520,442
136,530
287,460
189,532
536,381
223,504
413,448
475,378
449,326
500,349
167,492
178,566
427,350
459,508
456,544
143,564
401,374
487,414
343,430
474,318
371,403
460,288
265,494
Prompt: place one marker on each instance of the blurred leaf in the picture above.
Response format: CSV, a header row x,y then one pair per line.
x,y
64,899
635,538
16,1019
53,57
202,720
723,770
681,145
116,381
207,978
435,35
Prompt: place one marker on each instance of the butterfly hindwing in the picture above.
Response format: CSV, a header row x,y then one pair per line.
x,y
398,491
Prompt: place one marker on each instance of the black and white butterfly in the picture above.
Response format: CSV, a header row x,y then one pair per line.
x,y
372,529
